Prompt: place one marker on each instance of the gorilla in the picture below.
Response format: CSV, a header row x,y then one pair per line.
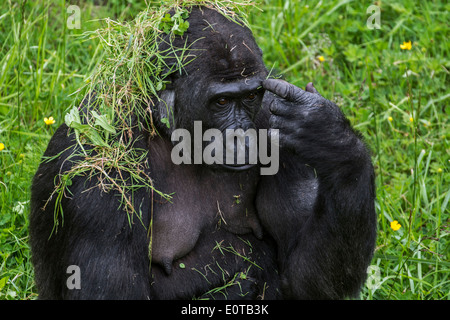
x,y
229,232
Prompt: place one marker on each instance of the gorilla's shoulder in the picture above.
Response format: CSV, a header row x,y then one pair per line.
x,y
61,146
62,139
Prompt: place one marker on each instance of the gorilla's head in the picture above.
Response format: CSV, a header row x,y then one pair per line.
x,y
221,84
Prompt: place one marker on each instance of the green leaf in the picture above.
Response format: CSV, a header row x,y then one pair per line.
x,y
67,180
185,25
160,86
95,138
167,18
185,14
3,282
102,121
72,118
182,266
166,122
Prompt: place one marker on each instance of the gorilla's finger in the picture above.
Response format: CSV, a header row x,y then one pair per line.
x,y
276,122
285,90
279,108
286,127
310,88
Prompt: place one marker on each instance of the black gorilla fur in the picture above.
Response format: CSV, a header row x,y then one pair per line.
x,y
307,232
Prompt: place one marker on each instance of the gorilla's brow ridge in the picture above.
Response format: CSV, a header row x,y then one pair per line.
x,y
235,88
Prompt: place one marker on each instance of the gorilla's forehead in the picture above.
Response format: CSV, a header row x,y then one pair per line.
x,y
234,60
224,48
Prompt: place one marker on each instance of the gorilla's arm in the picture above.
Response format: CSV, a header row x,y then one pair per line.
x,y
321,207
93,233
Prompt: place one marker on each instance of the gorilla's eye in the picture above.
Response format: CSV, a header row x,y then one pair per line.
x,y
251,96
222,101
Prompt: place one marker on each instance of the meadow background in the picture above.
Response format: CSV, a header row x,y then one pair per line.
x,y
396,97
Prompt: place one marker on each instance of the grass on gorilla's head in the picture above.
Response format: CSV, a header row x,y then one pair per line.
x,y
396,97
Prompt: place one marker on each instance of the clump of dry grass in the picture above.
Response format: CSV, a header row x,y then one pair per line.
x,y
126,84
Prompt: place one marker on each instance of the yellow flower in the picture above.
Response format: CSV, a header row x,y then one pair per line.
x,y
49,121
390,119
395,225
406,45
411,119
439,170
321,59
2,146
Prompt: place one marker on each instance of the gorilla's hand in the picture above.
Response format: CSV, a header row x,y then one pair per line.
x,y
307,122
318,132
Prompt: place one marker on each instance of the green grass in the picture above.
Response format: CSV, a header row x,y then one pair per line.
x,y
364,71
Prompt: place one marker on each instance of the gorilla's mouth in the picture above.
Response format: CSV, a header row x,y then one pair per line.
x,y
230,149
237,167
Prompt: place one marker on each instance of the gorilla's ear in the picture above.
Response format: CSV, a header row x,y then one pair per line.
x,y
165,110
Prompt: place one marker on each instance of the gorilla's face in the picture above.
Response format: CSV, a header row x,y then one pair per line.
x,y
221,88
226,111
234,105
231,108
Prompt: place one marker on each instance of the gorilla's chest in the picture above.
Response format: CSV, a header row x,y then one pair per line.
x,y
203,201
